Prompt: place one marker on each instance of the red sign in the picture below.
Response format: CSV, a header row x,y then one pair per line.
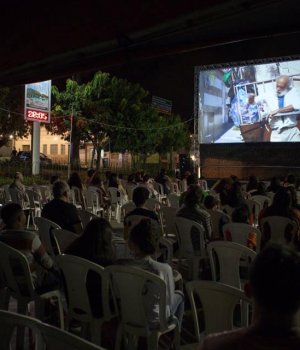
x,y
37,116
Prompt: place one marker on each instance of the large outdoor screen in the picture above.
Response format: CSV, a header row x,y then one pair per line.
x,y
250,103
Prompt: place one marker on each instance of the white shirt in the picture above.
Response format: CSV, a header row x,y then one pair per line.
x,y
270,100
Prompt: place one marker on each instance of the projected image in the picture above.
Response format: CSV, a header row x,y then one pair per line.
x,y
253,103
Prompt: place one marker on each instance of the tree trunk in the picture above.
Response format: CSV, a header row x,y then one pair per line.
x,y
98,160
93,156
75,160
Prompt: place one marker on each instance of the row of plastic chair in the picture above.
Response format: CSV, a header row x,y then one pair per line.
x,y
47,336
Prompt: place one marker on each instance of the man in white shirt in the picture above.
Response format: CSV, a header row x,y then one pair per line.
x,y
285,99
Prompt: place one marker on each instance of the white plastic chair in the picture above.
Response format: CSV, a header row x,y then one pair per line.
x,y
216,216
92,203
7,193
218,302
17,278
230,256
185,228
254,209
227,209
241,233
35,204
76,197
116,202
282,230
168,220
75,271
127,208
130,285
48,337
64,238
45,229
173,199
86,217
264,201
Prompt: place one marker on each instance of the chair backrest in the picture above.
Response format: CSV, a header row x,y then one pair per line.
x,y
86,216
35,199
129,189
75,271
217,218
173,199
7,193
281,229
45,229
243,234
15,196
186,231
229,256
16,274
227,209
91,200
64,238
152,204
50,337
203,185
128,207
133,220
115,195
76,197
141,298
218,303
254,208
264,201
168,216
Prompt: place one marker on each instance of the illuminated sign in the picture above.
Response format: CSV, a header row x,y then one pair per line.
x,y
38,102
37,116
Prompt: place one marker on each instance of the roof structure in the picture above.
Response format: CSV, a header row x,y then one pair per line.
x,y
43,40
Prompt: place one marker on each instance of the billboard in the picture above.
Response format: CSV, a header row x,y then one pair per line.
x,y
38,101
249,103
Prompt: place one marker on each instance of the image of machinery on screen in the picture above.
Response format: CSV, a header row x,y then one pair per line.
x,y
253,103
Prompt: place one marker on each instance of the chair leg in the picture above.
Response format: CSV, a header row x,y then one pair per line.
x,y
23,310
152,341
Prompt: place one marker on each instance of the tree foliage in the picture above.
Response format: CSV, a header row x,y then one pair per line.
x,y
112,109
12,114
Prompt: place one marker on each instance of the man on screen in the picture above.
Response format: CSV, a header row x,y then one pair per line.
x,y
280,104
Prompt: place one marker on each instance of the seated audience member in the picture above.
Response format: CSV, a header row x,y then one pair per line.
x,y
44,275
252,184
95,245
139,197
164,180
60,211
75,181
274,286
236,196
147,182
143,243
19,187
212,207
192,180
281,206
223,188
90,174
274,185
98,185
114,181
184,182
241,215
261,189
193,209
290,181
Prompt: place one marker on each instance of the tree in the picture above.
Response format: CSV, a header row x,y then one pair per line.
x,y
175,136
12,114
67,103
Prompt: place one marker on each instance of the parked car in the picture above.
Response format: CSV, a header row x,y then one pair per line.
x,y
27,156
